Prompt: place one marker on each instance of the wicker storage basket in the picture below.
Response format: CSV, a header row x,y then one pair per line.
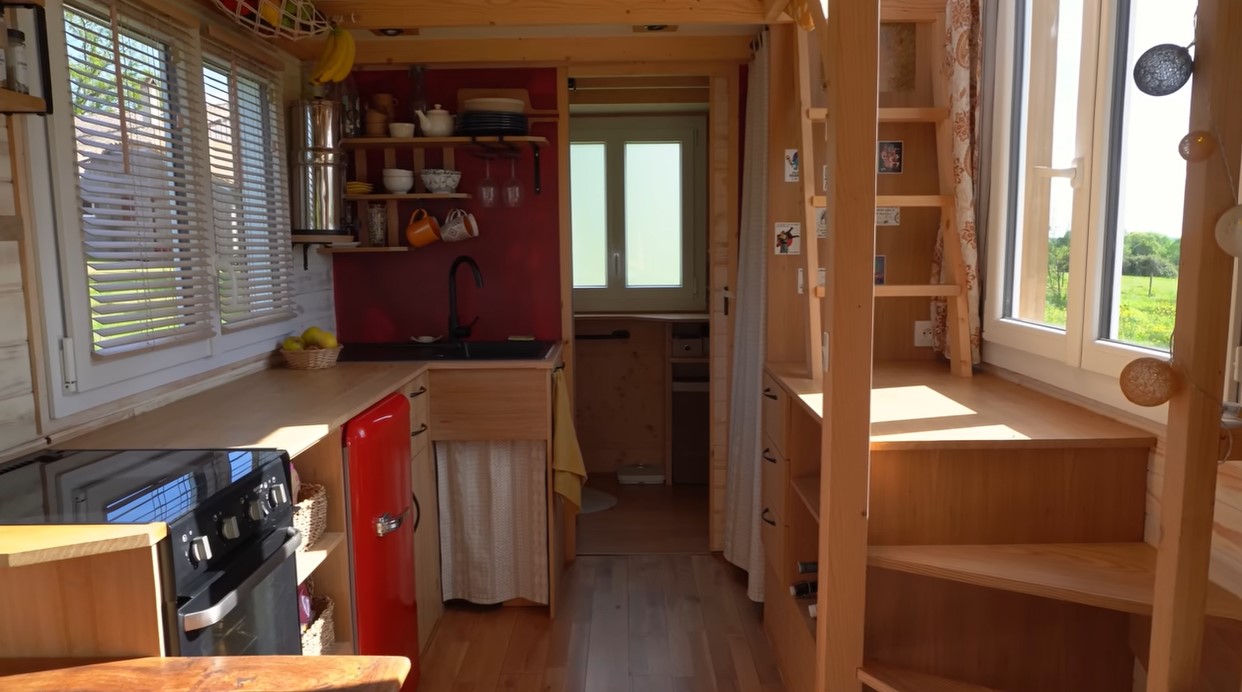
x,y
291,19
310,514
312,359
320,635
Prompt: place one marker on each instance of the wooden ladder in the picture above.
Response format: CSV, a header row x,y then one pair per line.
x,y
955,290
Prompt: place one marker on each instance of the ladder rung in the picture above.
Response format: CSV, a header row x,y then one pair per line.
x,y
913,115
817,114
913,200
819,201
920,291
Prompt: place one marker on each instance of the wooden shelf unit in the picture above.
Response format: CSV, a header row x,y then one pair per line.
x,y
391,196
807,490
441,142
314,239
1116,576
330,250
309,560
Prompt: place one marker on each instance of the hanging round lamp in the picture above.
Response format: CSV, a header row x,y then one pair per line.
x,y
1163,69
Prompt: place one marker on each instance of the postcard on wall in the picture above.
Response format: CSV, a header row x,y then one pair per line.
x,y
821,223
889,156
879,270
824,180
791,166
888,216
788,238
821,277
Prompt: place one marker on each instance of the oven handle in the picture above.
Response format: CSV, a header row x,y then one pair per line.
x,y
209,616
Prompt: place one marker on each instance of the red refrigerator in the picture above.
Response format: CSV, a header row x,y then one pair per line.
x,y
377,446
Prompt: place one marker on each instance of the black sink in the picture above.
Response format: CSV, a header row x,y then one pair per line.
x,y
464,350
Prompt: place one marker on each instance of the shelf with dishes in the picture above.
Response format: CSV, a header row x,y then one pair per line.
x,y
398,196
481,142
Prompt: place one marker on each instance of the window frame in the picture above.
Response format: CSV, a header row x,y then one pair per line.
x,y
77,380
1081,358
614,132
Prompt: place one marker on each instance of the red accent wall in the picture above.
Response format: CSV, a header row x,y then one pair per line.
x,y
393,296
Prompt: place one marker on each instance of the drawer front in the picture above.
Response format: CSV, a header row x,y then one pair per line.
x,y
491,404
775,411
775,477
772,531
419,392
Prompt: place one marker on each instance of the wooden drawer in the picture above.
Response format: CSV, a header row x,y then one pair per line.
x,y
775,477
491,404
775,412
419,391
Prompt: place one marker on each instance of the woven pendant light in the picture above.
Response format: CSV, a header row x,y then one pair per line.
x,y
1148,381
1163,69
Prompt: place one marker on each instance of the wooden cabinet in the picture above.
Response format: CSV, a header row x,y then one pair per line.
x,y
427,520
491,405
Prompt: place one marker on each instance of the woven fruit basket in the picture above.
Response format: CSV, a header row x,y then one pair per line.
x,y
320,635
311,358
291,19
310,514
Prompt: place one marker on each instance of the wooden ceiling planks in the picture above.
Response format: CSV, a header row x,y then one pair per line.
x,y
381,14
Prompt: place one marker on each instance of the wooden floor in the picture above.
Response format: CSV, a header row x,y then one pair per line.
x,y
646,519
643,623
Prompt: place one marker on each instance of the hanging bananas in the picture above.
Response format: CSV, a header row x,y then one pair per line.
x,y
337,58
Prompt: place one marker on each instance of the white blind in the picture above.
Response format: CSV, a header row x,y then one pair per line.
x,y
135,82
248,187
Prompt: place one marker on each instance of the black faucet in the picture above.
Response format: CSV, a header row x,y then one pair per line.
x,y
456,330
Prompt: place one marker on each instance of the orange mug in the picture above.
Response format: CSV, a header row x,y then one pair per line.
x,y
422,230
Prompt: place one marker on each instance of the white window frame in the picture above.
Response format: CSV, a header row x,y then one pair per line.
x,y
615,131
78,381
1077,359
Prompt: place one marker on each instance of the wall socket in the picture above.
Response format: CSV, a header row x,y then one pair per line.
x,y
923,333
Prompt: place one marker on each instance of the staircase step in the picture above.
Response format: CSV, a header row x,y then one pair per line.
x,y
1116,576
917,291
890,679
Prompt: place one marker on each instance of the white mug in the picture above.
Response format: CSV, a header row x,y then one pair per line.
x,y
455,227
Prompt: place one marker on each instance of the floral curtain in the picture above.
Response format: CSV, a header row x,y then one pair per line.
x,y
961,69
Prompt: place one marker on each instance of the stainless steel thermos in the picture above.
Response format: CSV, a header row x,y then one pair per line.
x,y
317,166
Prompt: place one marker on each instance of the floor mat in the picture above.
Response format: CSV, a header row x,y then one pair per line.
x,y
596,501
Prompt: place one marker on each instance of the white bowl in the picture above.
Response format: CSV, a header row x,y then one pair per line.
x,y
398,186
401,130
440,180
398,171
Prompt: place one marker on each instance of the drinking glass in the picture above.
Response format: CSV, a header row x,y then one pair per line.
x,y
513,186
487,186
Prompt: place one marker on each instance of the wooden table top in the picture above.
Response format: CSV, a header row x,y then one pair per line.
x,y
208,674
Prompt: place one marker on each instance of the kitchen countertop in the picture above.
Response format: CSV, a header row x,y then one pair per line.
x,y
31,545
207,674
277,408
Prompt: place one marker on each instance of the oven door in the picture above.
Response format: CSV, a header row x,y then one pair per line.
x,y
248,606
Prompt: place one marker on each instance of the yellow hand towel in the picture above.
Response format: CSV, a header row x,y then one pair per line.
x,y
568,469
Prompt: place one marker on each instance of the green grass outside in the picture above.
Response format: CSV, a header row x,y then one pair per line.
x,y
1146,320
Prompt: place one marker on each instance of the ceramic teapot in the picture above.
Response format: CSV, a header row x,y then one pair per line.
x,y
436,122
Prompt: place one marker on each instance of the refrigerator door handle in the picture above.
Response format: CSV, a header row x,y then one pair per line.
x,y
387,523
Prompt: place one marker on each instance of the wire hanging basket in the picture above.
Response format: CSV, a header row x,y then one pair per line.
x,y
289,19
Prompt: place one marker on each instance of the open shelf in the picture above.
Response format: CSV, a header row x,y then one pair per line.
x,y
16,102
889,679
916,291
313,238
801,604
430,142
311,558
361,250
408,195
1116,576
807,490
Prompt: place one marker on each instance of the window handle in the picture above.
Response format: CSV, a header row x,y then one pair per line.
x,y
616,264
1070,172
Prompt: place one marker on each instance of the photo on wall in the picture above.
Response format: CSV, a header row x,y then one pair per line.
x,y
889,154
792,166
788,238
879,270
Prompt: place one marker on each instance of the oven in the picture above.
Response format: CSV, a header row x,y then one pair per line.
x,y
228,565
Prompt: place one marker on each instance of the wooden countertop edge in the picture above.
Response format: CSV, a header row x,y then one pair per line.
x,y
207,674
21,546
318,402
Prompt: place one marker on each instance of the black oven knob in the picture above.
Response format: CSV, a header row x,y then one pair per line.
x,y
258,510
229,529
278,496
200,550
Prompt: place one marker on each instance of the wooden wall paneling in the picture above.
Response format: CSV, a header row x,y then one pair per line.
x,y
786,331
849,50
1220,668
995,638
907,248
100,605
1007,495
724,185
620,398
1201,336
639,48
